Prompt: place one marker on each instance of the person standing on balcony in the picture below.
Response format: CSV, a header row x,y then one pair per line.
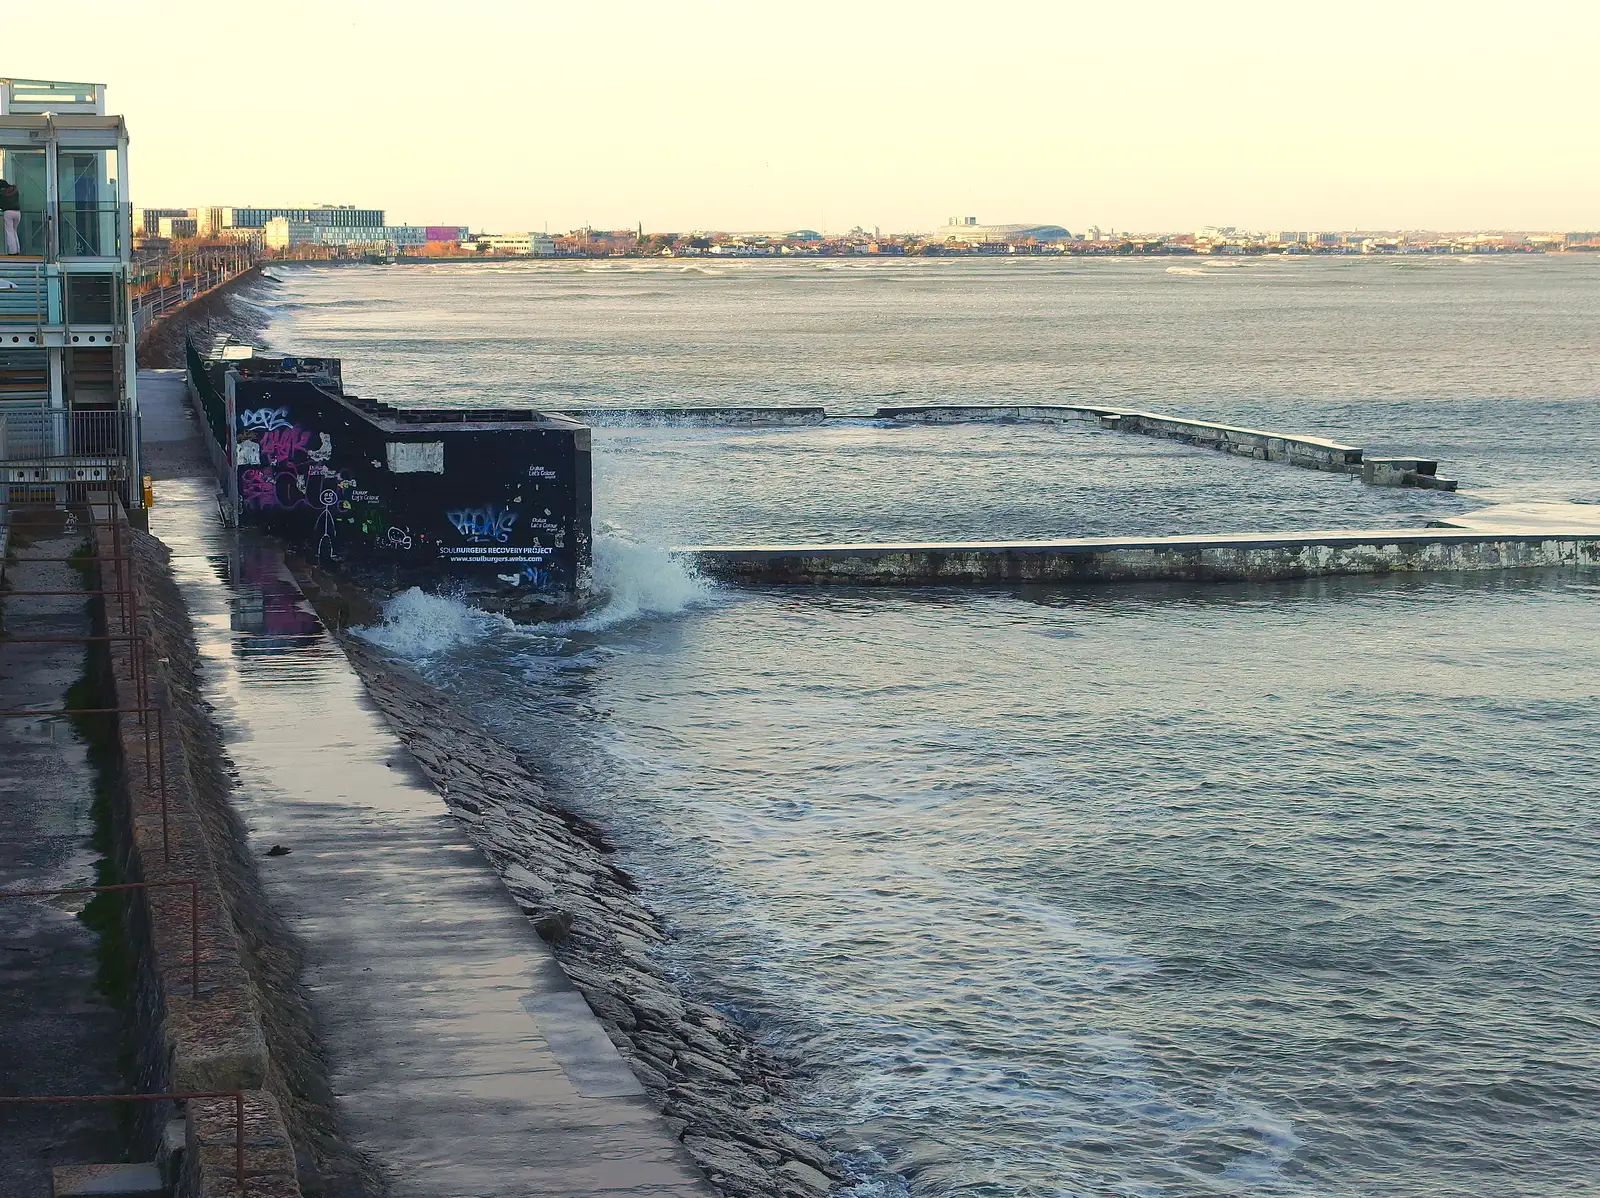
x,y
11,206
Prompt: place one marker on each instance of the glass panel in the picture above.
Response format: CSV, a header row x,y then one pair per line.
x,y
87,190
26,170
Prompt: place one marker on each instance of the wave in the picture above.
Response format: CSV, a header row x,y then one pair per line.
x,y
638,579
420,624
631,580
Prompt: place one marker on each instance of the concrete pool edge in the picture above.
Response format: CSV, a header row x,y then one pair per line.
x,y
1238,557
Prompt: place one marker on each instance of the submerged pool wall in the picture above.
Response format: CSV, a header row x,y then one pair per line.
x,y
497,499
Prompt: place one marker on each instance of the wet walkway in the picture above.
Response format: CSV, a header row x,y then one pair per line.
x,y
462,1059
58,1034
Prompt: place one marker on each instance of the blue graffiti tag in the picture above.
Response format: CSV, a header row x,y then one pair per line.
x,y
483,523
266,419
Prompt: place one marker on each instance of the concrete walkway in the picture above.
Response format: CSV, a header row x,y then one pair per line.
x,y
462,1058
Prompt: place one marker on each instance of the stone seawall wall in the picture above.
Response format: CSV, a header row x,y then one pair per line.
x,y
695,417
1172,559
187,1041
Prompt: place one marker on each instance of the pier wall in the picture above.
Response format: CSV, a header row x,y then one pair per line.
x,y
705,417
1166,559
498,499
1316,453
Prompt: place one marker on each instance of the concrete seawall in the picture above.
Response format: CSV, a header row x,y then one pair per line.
x,y
1239,558
707,417
1314,453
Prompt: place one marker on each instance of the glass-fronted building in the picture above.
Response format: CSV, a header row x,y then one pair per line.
x,y
68,398
325,216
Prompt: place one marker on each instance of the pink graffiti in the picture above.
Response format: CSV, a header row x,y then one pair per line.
x,y
282,444
259,488
264,488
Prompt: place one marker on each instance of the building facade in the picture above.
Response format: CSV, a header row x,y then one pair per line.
x,y
68,396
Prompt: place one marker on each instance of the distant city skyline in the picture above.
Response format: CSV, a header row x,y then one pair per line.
x,y
709,115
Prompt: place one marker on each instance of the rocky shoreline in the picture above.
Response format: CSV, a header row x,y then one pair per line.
x,y
719,1091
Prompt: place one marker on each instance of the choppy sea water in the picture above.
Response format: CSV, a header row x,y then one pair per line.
x,y
1137,891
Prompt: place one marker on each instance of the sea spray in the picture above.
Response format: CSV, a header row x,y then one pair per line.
x,y
419,624
631,580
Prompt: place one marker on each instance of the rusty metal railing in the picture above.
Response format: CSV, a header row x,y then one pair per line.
x,y
155,771
150,717
176,1096
194,911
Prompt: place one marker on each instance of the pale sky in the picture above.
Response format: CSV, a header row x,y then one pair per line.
x,y
1145,115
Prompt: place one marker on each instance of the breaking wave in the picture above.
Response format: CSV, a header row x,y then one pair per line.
x,y
419,624
631,580
635,579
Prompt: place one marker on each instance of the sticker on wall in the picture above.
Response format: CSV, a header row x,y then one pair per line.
x,y
415,457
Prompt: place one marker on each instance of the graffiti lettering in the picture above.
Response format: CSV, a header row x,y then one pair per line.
x,y
282,444
536,578
261,487
265,419
483,523
323,451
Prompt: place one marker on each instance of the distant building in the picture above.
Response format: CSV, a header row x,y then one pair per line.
x,y
281,233
147,221
969,231
537,245
177,226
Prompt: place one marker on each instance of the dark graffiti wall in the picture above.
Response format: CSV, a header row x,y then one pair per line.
x,y
503,505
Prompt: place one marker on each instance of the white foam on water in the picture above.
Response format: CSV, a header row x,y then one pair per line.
x,y
419,624
633,579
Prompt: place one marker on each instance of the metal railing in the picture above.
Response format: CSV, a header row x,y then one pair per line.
x,y
194,911
121,585
24,292
177,1096
34,433
90,229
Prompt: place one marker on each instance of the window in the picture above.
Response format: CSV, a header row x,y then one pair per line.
x,y
91,299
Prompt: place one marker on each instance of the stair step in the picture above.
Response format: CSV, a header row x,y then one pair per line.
x,y
107,1181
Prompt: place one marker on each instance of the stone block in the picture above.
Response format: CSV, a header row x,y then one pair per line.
x,y
107,1181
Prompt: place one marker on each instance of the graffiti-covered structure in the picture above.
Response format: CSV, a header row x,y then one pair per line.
x,y
497,499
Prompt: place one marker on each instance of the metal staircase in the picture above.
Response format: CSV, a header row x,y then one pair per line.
x,y
30,294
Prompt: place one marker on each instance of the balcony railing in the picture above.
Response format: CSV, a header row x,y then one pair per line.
x,y
24,292
90,230
35,435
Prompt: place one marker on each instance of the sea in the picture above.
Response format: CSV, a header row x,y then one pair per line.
x,y
1171,890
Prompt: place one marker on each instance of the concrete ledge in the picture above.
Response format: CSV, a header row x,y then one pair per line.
x,y
695,417
1238,558
1404,472
1316,453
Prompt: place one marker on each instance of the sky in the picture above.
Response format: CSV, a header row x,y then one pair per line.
x,y
1142,116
